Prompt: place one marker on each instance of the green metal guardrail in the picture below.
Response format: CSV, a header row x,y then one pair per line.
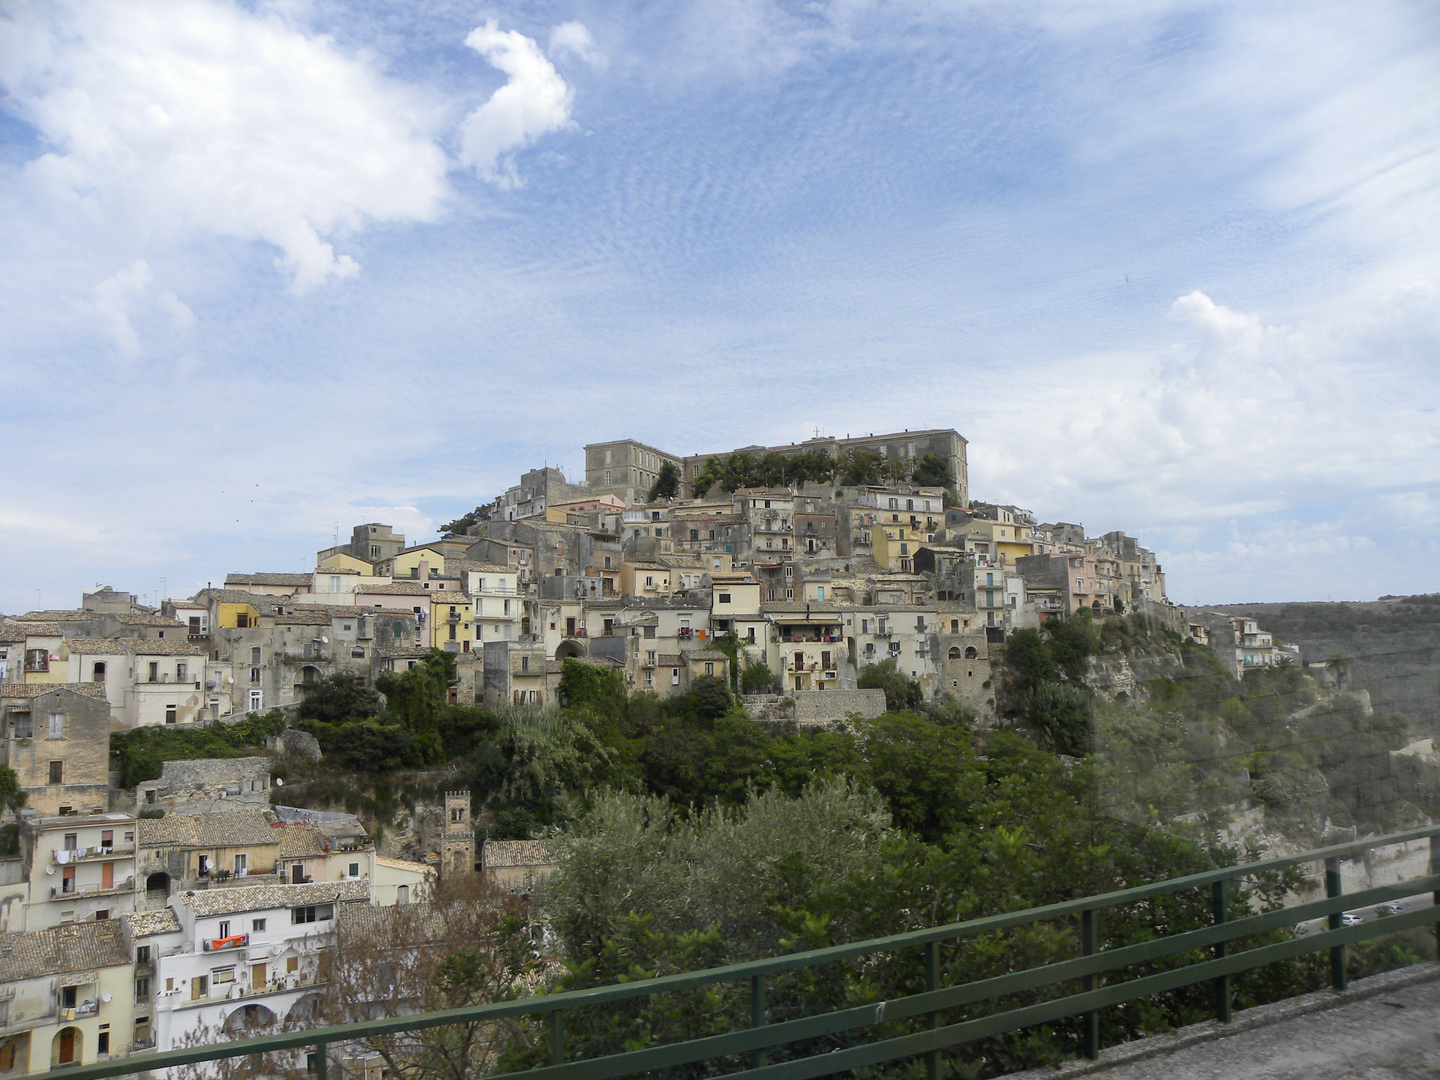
x,y
930,1004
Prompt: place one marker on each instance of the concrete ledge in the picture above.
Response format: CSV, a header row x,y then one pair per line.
x,y
1258,1017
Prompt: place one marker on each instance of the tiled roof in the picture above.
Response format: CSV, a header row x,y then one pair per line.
x,y
151,647
261,897
297,580
29,690
55,615
129,618
670,659
402,864
398,588
71,947
816,609
299,841
262,604
495,853
305,617
708,654
392,652
230,828
479,567
150,923
33,628
95,646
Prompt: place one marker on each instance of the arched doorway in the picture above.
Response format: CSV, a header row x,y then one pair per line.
x,y
954,653
569,648
248,1018
68,1047
972,653
158,883
309,675
306,1009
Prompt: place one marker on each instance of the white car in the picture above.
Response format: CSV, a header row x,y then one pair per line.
x,y
1350,920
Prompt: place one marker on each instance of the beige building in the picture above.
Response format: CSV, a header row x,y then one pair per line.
x,y
519,866
57,741
625,468
79,867
66,997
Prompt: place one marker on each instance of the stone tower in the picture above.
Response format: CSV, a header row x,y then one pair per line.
x,y
457,854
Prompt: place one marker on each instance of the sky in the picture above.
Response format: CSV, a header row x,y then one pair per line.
x,y
277,269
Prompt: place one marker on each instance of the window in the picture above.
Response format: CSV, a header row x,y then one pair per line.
x,y
154,671
37,659
224,928
71,841
402,894
723,598
312,913
97,671
256,701
57,772
142,954
223,975
142,988
675,676
524,664
256,925
20,727
649,579
255,655
170,715
179,672
254,676
709,668
102,1041
242,867
354,869
292,963
650,656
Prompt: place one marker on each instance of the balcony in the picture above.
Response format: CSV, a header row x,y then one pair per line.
x,y
91,854
226,944
81,892
85,1008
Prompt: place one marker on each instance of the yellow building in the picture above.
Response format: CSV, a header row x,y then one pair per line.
x,y
339,560
33,652
451,621
70,997
408,564
893,545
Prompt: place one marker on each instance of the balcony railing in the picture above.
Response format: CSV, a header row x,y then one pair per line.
x,y
59,892
65,856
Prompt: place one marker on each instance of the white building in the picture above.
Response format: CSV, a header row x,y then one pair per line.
x,y
243,959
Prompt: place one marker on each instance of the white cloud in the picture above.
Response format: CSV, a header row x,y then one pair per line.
x,y
113,298
166,117
572,39
534,101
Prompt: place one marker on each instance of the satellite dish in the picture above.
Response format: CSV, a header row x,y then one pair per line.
x,y
105,997
324,640
230,680
50,870
279,781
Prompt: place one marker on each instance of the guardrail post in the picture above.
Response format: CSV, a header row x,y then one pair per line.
x,y
757,1015
1333,889
557,1037
1435,896
932,982
1222,984
1089,946
322,1060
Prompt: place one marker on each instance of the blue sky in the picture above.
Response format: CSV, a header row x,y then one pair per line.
x,y
1172,268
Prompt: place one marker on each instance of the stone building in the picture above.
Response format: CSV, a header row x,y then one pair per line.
x,y
457,853
57,741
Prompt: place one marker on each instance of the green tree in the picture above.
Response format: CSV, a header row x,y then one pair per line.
x,y
339,699
11,797
417,696
757,679
932,470
667,483
709,476
859,467
814,466
901,691
462,525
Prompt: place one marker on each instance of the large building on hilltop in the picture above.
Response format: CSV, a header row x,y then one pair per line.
x,y
628,468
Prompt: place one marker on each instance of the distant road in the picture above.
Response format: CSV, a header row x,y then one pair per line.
x,y
1367,914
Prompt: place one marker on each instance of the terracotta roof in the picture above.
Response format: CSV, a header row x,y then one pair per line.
x,y
56,615
29,690
495,853
230,828
402,864
481,567
262,897
707,654
263,604
398,588
150,923
71,947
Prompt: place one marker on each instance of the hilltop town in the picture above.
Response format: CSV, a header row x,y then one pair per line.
x,y
137,917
